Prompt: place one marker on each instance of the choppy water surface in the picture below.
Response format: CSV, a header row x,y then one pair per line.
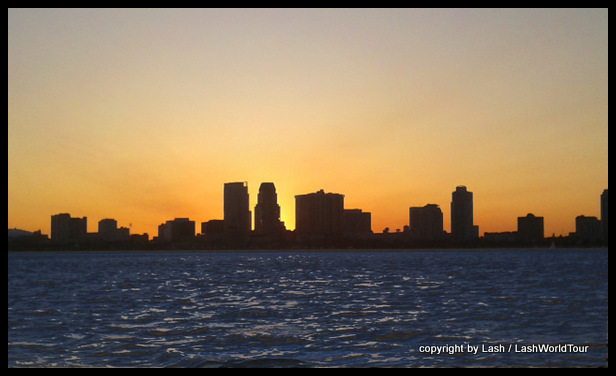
x,y
307,309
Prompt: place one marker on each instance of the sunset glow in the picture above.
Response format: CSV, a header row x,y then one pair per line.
x,y
143,115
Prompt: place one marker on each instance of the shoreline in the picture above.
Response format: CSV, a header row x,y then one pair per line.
x,y
317,250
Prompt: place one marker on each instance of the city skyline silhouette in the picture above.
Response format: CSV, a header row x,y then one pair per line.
x,y
322,221
141,115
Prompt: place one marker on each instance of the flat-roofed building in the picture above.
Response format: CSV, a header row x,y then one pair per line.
x,y
319,215
530,229
426,222
357,223
65,228
236,210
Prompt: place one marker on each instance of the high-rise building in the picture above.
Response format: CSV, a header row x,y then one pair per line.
x,y
587,230
319,216
236,210
64,228
604,227
462,228
357,223
426,223
267,211
530,229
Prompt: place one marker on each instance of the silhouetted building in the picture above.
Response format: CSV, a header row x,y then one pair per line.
x,y
319,216
604,227
236,210
108,230
140,239
587,230
21,240
123,233
180,229
357,223
500,238
462,228
426,223
267,212
530,229
64,228
213,226
213,230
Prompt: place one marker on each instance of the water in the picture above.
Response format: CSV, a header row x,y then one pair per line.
x,y
307,309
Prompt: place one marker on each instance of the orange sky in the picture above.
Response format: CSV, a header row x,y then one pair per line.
x,y
143,115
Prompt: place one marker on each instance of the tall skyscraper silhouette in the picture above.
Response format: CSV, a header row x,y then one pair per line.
x,y
236,209
267,211
462,228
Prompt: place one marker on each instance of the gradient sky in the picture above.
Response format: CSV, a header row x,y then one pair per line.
x,y
143,115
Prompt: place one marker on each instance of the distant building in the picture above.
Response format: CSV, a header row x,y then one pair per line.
x,y
604,227
180,229
426,223
530,229
356,223
64,228
213,230
319,216
500,238
108,230
462,228
236,210
267,212
587,230
142,239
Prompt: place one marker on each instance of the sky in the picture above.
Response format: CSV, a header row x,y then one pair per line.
x,y
142,115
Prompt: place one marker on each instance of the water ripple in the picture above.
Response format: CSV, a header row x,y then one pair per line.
x,y
303,309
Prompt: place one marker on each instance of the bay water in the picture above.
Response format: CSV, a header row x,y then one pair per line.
x,y
464,308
